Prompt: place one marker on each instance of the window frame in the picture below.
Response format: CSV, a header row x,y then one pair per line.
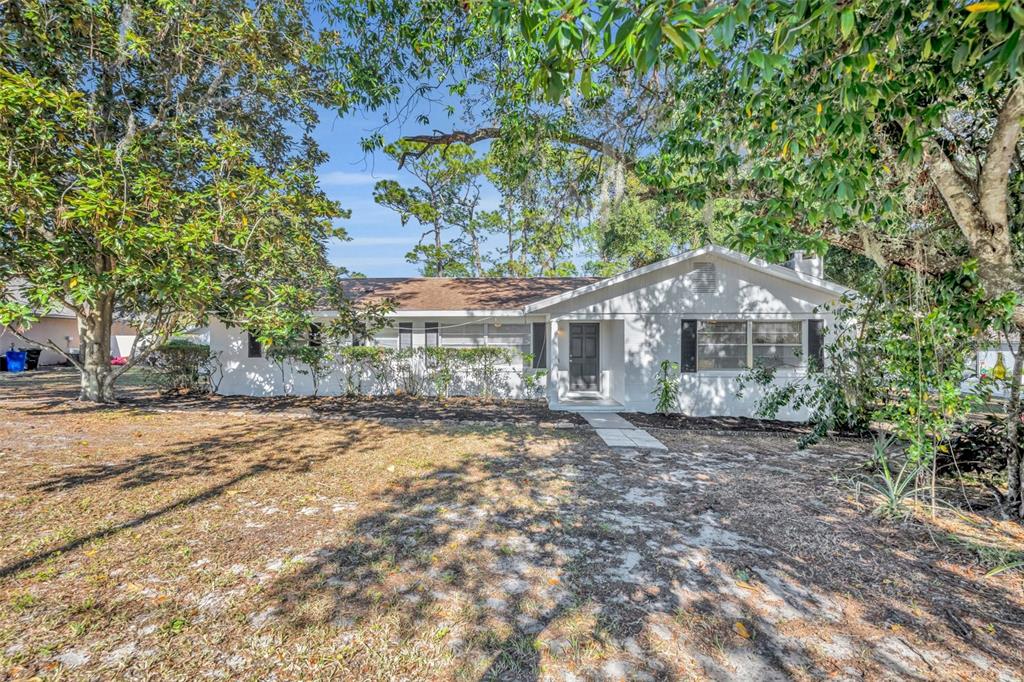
x,y
748,324
746,345
429,327
540,356
800,345
405,329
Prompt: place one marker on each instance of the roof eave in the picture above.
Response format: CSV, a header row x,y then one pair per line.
x,y
779,271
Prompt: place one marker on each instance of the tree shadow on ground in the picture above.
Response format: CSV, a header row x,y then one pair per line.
x,y
237,453
638,564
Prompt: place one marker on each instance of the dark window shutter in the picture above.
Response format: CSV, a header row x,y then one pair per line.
x,y
405,334
314,335
688,355
255,349
816,344
431,339
540,345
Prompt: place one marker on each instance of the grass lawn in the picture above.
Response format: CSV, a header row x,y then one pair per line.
x,y
210,543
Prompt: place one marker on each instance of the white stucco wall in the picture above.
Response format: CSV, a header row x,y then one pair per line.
x,y
649,310
242,375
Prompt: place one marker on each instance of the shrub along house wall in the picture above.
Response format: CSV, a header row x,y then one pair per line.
x,y
396,359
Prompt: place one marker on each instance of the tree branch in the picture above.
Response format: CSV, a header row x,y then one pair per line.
x,y
894,250
1002,145
492,133
953,189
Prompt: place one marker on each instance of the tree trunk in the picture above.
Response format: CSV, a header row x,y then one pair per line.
x,y
439,263
477,262
511,249
1014,478
94,345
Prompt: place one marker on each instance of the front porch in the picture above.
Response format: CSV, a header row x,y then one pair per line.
x,y
587,364
575,402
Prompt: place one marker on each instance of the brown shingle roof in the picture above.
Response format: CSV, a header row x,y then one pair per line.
x,y
459,293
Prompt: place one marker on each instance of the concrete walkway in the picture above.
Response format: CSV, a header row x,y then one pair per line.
x,y
618,432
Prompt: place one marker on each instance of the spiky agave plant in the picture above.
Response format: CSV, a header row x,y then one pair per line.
x,y
892,490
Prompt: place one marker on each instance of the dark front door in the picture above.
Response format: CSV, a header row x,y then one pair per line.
x,y
584,372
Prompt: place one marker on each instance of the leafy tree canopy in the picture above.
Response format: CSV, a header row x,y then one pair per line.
x,y
159,164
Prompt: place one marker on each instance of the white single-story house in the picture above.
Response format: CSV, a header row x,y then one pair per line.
x,y
594,343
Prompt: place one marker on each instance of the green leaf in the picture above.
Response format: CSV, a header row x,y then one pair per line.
x,y
846,22
672,34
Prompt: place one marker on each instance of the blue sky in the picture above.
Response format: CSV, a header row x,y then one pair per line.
x,y
379,240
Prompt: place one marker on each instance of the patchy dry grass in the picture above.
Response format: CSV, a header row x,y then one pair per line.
x,y
174,546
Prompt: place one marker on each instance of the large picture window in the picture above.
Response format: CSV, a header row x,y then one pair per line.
x,y
740,344
721,344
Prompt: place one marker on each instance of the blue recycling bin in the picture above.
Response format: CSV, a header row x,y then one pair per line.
x,y
16,360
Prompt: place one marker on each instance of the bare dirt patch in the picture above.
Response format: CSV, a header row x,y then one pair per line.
x,y
156,545
682,422
405,407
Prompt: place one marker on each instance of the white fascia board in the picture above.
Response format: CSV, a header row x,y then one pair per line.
x,y
456,313
436,313
779,271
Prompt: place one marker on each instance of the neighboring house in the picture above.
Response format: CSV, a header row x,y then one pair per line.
x,y
60,327
712,310
985,360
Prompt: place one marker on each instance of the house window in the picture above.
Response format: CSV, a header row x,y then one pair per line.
x,y
721,344
777,344
739,344
431,337
255,349
315,336
540,345
465,336
404,335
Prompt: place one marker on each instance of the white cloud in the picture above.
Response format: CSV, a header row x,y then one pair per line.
x,y
350,179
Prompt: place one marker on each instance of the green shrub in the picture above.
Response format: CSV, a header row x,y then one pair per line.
x,y
359,361
409,370
441,364
316,361
667,388
533,379
482,365
181,366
